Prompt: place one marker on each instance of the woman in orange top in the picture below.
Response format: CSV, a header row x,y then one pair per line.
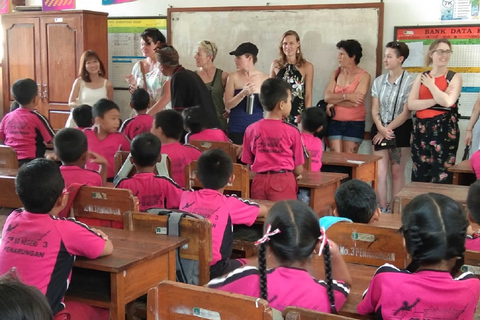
x,y
435,133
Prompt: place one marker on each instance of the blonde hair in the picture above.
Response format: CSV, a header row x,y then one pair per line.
x,y
210,48
298,55
433,46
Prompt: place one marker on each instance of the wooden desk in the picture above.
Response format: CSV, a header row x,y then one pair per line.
x,y
139,261
366,171
463,173
410,191
8,195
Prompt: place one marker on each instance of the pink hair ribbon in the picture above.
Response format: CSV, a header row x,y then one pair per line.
x,y
323,239
267,235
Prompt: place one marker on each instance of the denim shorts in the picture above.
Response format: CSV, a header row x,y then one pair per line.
x,y
346,130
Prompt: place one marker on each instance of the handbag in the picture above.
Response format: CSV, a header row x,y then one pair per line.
x,y
466,153
386,143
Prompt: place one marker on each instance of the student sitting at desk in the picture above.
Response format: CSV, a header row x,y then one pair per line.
x,y
43,247
475,163
193,121
215,171
82,115
152,191
142,122
473,205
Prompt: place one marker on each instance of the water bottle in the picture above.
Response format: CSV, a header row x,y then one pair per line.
x,y
250,101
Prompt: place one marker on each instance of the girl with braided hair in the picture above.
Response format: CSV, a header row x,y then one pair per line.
x,y
434,227
292,234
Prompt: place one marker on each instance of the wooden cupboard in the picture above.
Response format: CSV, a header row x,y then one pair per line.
x,y
47,46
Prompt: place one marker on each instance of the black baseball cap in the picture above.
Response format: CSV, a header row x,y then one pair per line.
x,y
246,47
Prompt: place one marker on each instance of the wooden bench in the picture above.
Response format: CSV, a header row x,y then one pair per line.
x,y
294,313
179,301
462,173
228,147
472,262
8,157
8,195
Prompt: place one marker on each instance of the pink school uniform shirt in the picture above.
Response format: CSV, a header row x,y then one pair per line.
x,y
473,242
208,135
315,146
75,174
106,148
43,248
475,163
180,155
26,131
153,191
285,287
134,126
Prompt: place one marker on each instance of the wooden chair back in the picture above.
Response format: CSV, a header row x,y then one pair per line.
x,y
228,147
294,313
105,207
8,196
307,165
8,157
179,301
197,231
241,183
472,262
121,156
369,245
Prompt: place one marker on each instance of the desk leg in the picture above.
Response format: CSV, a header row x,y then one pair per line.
x,y
172,267
117,312
456,178
375,175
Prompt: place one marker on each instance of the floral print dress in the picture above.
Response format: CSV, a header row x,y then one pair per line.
x,y
297,82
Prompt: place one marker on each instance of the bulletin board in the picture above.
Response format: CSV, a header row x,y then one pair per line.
x,y
465,59
124,45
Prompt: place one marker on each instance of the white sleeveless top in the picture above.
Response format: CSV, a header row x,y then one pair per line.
x,y
91,96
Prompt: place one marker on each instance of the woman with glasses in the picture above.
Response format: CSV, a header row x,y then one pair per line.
x,y
434,97
215,79
392,126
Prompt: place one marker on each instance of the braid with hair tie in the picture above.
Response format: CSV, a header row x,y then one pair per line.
x,y
328,277
262,268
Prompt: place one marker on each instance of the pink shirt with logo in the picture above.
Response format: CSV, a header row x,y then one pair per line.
x,y
315,146
223,211
43,248
106,148
153,191
285,287
272,145
208,135
75,174
134,126
26,131
473,243
475,163
426,294
180,155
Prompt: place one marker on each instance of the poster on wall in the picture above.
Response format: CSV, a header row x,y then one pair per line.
x,y
55,5
465,40
106,2
459,9
4,6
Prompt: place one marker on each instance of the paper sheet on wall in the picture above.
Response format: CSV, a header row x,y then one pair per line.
x,y
416,56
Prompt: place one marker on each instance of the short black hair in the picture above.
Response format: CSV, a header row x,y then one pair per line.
x,y
352,48
214,168
171,123
153,33
314,118
356,200
193,119
145,149
102,106
82,115
24,91
39,183
140,99
70,144
473,201
272,91
401,49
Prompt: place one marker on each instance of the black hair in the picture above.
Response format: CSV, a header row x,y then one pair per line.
x,y
171,123
401,49
435,228
24,91
82,115
193,119
154,34
214,168
356,200
70,144
145,149
473,201
314,118
102,106
39,183
167,56
140,99
14,106
19,301
352,48
272,91
299,233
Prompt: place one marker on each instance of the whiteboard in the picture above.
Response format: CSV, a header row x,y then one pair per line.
x,y
320,28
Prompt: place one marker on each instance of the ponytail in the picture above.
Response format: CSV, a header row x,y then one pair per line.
x,y
328,277
262,269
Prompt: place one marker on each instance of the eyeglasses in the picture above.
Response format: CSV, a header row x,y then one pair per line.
x,y
443,52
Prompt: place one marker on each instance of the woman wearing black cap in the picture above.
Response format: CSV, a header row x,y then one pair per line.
x,y
242,85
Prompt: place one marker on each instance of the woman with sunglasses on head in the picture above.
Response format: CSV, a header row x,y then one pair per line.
x,y
215,79
392,126
434,97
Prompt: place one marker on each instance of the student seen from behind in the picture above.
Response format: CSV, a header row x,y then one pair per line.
x,y
195,125
25,129
473,205
43,247
82,115
215,171
142,122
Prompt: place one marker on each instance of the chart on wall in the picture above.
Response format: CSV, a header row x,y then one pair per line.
x,y
124,45
465,40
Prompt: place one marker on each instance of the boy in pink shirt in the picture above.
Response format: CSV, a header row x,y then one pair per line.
x,y
215,171
194,124
475,163
103,137
82,115
168,127
313,120
273,148
42,247
473,205
71,147
152,191
142,122
25,129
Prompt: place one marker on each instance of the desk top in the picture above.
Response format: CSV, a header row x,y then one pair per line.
x,y
8,172
462,167
312,179
456,192
130,248
342,159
